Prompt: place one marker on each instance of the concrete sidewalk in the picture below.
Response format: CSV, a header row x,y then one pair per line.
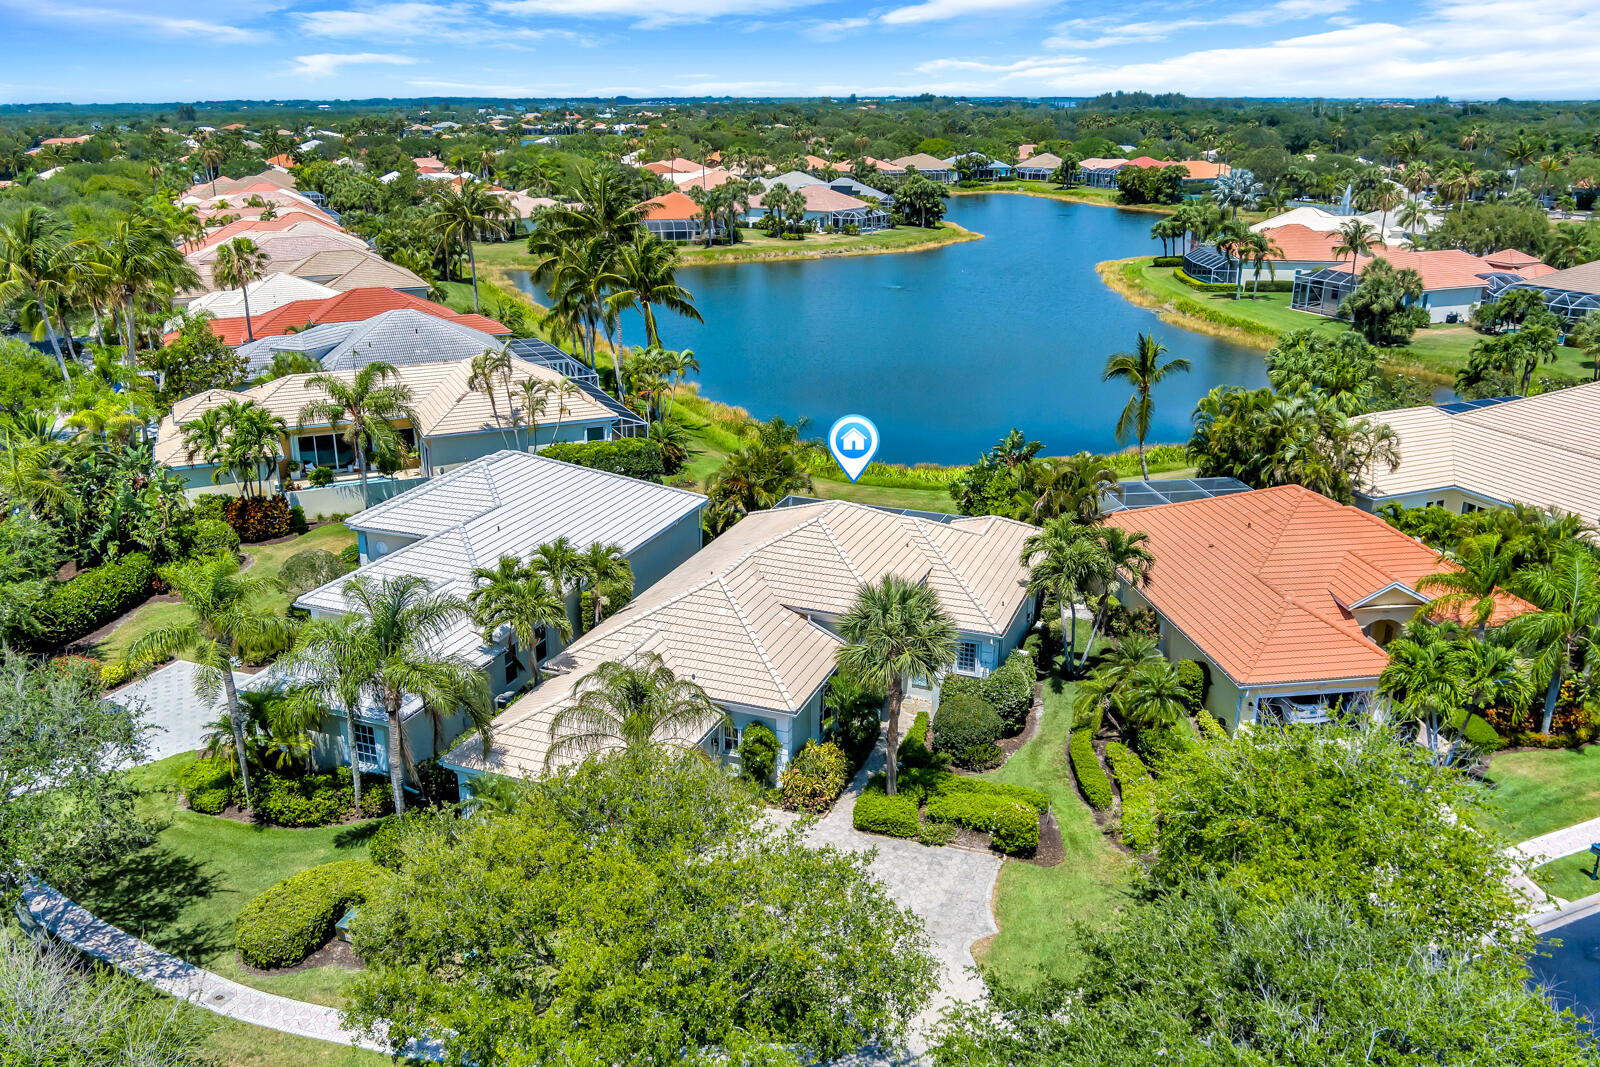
x,y
1558,843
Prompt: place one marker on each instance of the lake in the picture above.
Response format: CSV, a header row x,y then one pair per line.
x,y
946,350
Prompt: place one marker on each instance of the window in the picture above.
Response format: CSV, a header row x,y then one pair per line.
x,y
1433,503
324,450
510,662
366,745
1468,509
594,433
542,649
967,657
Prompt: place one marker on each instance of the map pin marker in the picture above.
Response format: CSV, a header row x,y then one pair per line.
x,y
853,442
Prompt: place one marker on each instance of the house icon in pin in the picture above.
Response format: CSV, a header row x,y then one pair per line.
x,y
852,442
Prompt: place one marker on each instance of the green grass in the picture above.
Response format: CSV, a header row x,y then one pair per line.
x,y
1036,907
183,892
237,1044
755,246
1568,877
885,496
1540,790
266,560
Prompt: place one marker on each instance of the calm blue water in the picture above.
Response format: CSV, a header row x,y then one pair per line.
x,y
946,350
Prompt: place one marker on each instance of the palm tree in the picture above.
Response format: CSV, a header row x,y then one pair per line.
x,y
646,269
562,389
326,665
239,263
514,594
139,258
1423,678
1063,559
609,575
393,627
603,206
365,408
581,275
1261,251
1072,486
1130,559
1355,239
1567,593
223,611
1143,369
31,244
461,215
679,365
631,706
488,369
533,396
1521,150
562,566
1491,677
896,632
1153,697
1484,565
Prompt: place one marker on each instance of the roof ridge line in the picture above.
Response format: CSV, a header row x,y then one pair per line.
x,y
761,649
955,573
848,562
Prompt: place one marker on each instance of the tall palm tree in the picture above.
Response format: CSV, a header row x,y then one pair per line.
x,y
461,215
609,576
239,264
1521,150
581,274
1153,697
646,267
1143,369
31,244
1355,239
393,627
1063,559
1484,565
1261,251
362,410
1491,677
602,205
1130,560
514,594
223,612
562,566
680,364
488,369
631,706
1567,593
896,632
326,666
140,259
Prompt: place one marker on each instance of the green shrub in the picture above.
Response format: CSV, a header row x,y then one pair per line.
x,y
317,799
317,477
1192,676
437,783
1009,690
208,506
877,813
383,847
637,457
950,784
297,520
1268,285
758,753
816,775
1138,806
965,729
1012,826
213,537
855,712
258,518
288,922
69,610
207,785
1210,728
1478,732
914,751
1092,780
305,571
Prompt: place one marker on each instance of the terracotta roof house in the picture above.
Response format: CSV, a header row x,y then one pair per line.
x,y
1470,455
506,503
1285,596
254,228
1203,170
931,167
353,305
829,209
675,216
750,618
1453,281
282,159
224,186
1026,151
705,179
283,248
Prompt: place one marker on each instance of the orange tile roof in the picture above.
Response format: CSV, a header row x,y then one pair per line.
x,y
1263,582
1026,150
1445,268
282,222
709,179
1205,170
353,305
818,163
1512,259
673,205
282,159
1302,244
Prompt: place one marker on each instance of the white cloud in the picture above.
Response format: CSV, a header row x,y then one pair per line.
x,y
322,64
492,89
410,21
833,29
1105,32
215,32
939,10
647,14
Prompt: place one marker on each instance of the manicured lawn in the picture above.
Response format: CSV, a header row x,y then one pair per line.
x,y
1568,877
1541,790
237,1044
885,496
1036,907
755,246
183,892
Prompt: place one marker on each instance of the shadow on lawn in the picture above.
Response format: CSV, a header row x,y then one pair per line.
x,y
357,835
147,894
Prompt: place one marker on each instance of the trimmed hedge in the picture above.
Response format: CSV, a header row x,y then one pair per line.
x,y
815,777
758,753
965,730
213,537
70,610
637,457
952,784
1267,286
1009,689
877,813
207,785
1210,728
1012,826
288,922
1138,805
1479,732
317,799
1092,780
1193,677
914,751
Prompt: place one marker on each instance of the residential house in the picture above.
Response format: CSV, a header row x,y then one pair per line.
x,y
506,503
850,187
1454,282
675,216
1284,596
1570,294
351,306
268,294
226,186
1038,168
984,169
752,619
343,269
1101,172
791,179
1205,171
1478,454
830,210
931,167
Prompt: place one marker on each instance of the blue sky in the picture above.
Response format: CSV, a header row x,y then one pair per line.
x,y
113,50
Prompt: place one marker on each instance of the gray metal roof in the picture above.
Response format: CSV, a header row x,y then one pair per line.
x,y
400,338
794,179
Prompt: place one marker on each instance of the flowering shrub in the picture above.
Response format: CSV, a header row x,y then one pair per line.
x,y
259,518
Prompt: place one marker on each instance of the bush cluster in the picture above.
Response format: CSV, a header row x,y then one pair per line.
x,y
258,518
1210,728
965,729
637,457
1138,805
914,751
306,570
288,922
1092,780
437,783
1479,732
878,813
1012,826
1267,285
758,753
815,777
854,714
317,799
951,784
1009,689
207,785
1196,681
213,537
383,847
69,610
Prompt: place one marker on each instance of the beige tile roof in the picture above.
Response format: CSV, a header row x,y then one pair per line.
x,y
1540,450
737,617
922,161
